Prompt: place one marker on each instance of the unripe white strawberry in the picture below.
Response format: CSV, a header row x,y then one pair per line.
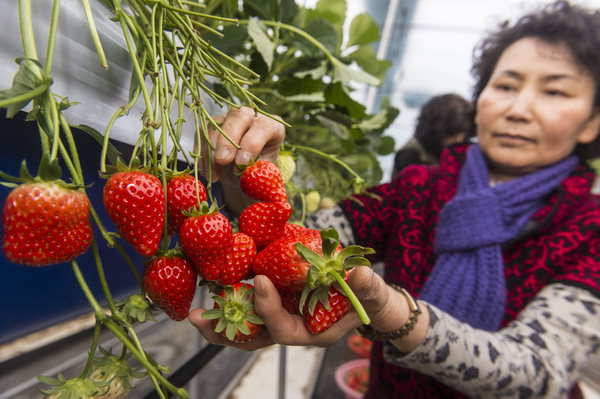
x,y
327,203
286,165
313,200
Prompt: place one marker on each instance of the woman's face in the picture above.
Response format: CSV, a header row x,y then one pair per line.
x,y
536,107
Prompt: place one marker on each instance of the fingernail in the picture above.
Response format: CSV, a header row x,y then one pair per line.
x,y
223,153
259,286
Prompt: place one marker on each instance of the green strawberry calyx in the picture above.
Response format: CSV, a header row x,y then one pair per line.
x,y
79,387
235,309
331,268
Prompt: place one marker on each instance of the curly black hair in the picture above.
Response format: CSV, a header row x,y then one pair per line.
x,y
443,117
559,23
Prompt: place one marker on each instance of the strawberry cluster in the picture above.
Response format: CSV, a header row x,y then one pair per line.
x,y
307,266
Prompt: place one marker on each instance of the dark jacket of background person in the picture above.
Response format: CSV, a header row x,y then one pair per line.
x,y
445,119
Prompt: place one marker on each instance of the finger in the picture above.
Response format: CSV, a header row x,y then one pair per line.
x,y
385,306
235,125
264,137
284,328
207,330
287,329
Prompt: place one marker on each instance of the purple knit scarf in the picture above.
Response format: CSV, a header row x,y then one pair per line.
x,y
467,280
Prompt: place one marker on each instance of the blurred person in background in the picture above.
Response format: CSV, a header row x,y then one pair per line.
x,y
443,120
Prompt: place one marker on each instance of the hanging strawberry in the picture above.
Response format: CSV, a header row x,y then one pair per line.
x,y
170,282
206,232
135,202
45,220
183,193
265,221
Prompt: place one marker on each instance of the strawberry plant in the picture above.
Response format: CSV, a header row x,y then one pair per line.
x,y
279,60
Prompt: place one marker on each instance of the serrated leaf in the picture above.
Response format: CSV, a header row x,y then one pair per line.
x,y
261,40
334,128
363,30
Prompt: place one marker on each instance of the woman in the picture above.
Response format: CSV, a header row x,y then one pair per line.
x,y
500,242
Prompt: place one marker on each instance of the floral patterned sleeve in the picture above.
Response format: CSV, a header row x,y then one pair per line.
x,y
540,354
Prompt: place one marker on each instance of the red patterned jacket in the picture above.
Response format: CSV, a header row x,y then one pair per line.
x,y
561,244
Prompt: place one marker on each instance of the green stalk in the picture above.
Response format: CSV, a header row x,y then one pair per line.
x,y
102,277
328,156
94,32
52,36
26,30
87,369
100,315
33,93
140,356
364,317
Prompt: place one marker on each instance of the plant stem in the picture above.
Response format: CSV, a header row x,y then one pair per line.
x,y
364,317
52,36
94,32
140,356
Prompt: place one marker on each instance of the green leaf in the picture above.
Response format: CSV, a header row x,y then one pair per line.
x,y
315,73
232,40
261,40
356,261
366,58
112,152
309,255
288,9
49,170
347,74
334,128
386,145
324,32
25,84
363,30
336,94
380,121
309,98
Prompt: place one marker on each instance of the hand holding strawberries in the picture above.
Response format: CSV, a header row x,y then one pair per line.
x,y
386,308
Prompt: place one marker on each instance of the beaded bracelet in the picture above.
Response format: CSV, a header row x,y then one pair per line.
x,y
372,334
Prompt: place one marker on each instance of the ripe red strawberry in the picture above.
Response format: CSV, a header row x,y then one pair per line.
x,y
318,316
265,221
183,192
170,282
360,345
312,261
232,266
233,313
282,264
45,223
290,300
292,228
262,180
206,232
135,202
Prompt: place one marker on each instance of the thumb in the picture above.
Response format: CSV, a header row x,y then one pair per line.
x,y
385,306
